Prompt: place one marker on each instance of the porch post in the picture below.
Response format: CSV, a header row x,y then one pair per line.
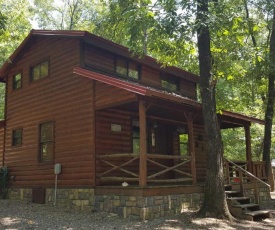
x,y
248,147
191,141
143,145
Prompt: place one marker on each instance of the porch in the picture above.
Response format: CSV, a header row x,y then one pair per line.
x,y
165,152
145,136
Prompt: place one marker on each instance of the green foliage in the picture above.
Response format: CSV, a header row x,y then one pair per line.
x,y
68,14
234,143
4,178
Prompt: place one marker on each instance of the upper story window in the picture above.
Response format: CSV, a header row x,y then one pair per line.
x,y
127,68
17,81
46,142
17,137
169,82
39,71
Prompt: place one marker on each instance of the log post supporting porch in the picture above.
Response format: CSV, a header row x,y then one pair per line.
x,y
143,145
189,118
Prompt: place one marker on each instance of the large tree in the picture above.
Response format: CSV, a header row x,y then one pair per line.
x,y
270,99
214,204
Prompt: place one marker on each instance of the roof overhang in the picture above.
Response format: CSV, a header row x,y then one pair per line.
x,y
231,120
228,119
96,41
135,87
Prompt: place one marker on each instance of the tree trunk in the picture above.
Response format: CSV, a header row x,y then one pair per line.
x,y
270,102
214,204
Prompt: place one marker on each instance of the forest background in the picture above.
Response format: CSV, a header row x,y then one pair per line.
x,y
166,30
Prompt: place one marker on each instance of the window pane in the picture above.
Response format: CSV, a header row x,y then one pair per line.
x,y
135,136
47,151
133,70
169,85
17,79
183,144
121,66
135,145
44,69
17,137
46,132
39,71
35,73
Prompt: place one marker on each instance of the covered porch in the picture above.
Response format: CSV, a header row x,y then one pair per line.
x,y
149,137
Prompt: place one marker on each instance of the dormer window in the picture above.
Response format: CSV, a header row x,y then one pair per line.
x,y
39,71
17,81
169,82
126,68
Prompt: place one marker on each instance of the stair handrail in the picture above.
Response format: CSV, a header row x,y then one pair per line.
x,y
248,173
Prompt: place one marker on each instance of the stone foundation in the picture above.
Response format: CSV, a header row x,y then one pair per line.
x,y
78,199
124,205
144,208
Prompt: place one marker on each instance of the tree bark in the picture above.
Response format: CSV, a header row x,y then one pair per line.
x,y
214,204
270,102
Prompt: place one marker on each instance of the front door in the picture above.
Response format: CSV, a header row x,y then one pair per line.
x,y
164,139
164,146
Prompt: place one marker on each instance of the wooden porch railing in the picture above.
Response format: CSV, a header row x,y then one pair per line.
x,y
157,171
238,173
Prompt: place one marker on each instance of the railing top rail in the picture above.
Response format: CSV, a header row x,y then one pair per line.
x,y
149,155
247,173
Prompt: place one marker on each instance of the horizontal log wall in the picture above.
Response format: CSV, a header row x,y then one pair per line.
x,y
104,61
110,142
61,97
98,59
1,144
188,89
107,96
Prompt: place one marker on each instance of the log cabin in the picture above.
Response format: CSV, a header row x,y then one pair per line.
x,y
88,125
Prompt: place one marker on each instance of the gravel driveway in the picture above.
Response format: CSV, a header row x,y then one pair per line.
x,y
22,215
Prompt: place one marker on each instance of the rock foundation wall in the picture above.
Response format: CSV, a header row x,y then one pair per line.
x,y
138,207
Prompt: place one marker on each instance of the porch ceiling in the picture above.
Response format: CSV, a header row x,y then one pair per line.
x,y
167,105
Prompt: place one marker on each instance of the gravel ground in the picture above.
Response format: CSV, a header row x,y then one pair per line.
x,y
22,215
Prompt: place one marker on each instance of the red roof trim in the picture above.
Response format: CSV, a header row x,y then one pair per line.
x,y
242,117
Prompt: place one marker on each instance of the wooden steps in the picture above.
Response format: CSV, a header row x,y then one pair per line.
x,y
242,208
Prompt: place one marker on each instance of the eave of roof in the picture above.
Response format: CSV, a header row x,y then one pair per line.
x,y
242,117
139,89
135,87
99,42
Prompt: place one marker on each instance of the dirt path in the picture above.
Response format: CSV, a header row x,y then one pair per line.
x,y
22,215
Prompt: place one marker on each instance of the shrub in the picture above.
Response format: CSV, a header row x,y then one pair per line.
x,y
4,176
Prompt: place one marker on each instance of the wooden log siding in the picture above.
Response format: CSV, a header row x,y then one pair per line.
x,y
98,59
150,76
109,96
61,97
188,89
1,145
111,142
103,61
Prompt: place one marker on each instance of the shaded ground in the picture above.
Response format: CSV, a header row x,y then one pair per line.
x,y
22,215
